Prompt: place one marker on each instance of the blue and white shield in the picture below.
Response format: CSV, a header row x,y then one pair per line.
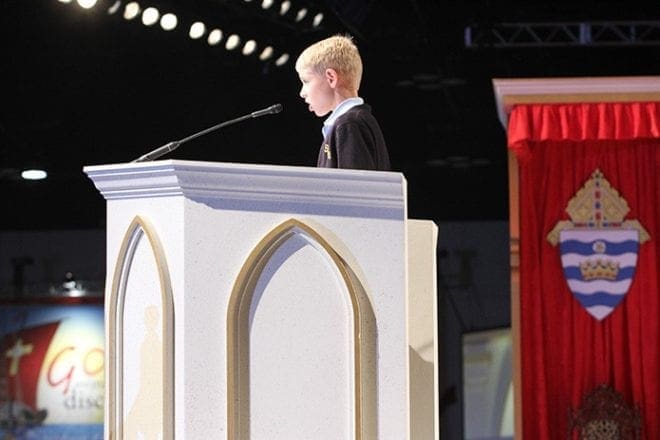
x,y
599,266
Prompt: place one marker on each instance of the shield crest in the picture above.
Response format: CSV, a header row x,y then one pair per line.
x,y
599,266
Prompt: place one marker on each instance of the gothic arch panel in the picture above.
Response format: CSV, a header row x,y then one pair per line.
x,y
301,342
140,343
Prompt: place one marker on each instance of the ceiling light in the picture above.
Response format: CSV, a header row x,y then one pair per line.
x,y
150,16
436,163
86,4
197,30
232,42
282,59
481,162
458,158
114,7
34,174
131,10
266,53
250,47
284,7
64,1
215,36
265,4
318,18
301,14
168,21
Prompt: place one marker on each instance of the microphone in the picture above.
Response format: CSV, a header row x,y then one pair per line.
x,y
267,111
171,146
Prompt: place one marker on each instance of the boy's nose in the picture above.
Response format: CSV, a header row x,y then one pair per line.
x,y
302,93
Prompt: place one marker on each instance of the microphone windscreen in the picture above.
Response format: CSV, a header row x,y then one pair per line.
x,y
276,108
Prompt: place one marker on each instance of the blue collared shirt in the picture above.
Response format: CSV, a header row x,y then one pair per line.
x,y
342,108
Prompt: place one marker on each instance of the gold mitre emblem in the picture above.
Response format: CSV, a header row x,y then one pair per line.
x,y
597,206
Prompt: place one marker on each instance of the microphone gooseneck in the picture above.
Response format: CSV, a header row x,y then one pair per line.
x,y
171,146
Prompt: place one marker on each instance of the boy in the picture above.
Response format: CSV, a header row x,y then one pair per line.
x,y
330,71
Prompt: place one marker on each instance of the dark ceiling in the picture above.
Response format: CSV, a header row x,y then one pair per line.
x,y
85,88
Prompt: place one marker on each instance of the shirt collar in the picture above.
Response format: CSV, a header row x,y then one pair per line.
x,y
342,108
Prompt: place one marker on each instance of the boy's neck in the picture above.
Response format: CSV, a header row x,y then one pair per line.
x,y
342,95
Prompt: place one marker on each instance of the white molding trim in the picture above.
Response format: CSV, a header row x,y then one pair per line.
x,y
253,183
588,89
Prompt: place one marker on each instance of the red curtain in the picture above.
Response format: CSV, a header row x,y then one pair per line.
x,y
565,352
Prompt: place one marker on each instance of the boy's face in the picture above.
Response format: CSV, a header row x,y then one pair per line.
x,y
317,91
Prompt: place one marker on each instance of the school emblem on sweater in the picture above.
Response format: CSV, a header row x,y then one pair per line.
x,y
598,246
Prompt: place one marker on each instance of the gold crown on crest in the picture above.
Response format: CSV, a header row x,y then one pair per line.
x,y
597,206
599,270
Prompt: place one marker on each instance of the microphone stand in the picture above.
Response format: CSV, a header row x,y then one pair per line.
x,y
171,146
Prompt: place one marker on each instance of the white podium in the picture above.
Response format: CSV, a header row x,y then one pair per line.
x,y
266,302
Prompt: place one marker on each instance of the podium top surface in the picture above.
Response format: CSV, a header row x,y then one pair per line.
x,y
246,184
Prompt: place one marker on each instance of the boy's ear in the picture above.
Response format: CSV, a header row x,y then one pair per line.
x,y
332,77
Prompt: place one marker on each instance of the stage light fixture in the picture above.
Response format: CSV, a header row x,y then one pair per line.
x,y
302,13
215,36
70,287
168,21
232,42
266,53
114,7
34,174
86,4
197,30
131,10
249,47
150,16
282,60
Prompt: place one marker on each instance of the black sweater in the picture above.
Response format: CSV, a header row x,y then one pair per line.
x,y
355,141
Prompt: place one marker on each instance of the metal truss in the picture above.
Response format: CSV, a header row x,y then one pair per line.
x,y
610,33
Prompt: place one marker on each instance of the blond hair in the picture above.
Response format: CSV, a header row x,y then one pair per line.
x,y
338,53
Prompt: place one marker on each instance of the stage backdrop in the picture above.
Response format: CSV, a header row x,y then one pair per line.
x,y
590,216
51,369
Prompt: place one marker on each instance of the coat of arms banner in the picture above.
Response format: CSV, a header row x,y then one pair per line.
x,y
589,257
